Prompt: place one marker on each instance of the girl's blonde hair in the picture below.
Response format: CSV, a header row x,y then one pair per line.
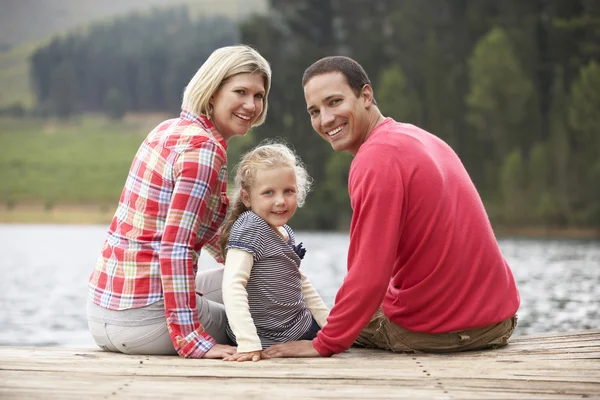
x,y
220,66
266,155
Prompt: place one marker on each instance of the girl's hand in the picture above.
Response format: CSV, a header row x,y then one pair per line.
x,y
249,356
220,351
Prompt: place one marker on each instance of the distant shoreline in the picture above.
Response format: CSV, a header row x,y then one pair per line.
x,y
102,215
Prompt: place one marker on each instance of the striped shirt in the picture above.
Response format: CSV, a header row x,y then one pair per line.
x,y
274,288
173,202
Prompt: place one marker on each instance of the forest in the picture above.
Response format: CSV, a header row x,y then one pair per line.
x,y
512,86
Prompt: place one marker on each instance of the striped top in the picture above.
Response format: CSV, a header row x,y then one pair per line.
x,y
173,202
274,288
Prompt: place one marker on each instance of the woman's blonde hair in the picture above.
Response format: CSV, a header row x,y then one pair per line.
x,y
266,155
220,66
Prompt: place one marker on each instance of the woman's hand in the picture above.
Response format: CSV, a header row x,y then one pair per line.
x,y
220,351
249,356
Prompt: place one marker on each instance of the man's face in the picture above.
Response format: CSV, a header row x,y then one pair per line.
x,y
336,113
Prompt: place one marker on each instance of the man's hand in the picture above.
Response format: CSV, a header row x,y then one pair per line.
x,y
220,351
249,356
300,348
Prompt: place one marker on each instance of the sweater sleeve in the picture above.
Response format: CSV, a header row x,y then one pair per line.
x,y
235,277
314,302
377,202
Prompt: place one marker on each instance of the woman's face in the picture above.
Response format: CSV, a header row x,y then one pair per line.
x,y
238,104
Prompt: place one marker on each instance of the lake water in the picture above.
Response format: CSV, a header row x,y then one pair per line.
x,y
44,271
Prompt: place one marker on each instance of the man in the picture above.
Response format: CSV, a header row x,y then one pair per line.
x,y
425,272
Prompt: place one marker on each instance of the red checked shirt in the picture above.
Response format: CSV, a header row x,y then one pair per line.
x,y
174,201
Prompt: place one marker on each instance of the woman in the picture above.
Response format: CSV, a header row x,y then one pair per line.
x,y
142,293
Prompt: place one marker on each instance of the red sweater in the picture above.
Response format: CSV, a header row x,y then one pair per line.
x,y
421,244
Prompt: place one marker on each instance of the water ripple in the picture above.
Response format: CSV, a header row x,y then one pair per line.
x,y
45,270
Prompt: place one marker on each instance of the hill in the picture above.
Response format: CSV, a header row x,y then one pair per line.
x,y
27,24
25,20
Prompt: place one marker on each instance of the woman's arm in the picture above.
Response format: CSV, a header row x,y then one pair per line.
x,y
196,174
212,247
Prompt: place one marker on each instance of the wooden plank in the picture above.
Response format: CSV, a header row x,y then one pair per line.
x,y
547,366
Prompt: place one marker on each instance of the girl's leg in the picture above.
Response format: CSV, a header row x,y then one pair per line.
x,y
312,331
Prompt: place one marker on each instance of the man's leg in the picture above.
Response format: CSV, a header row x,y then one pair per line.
x,y
492,336
384,334
377,335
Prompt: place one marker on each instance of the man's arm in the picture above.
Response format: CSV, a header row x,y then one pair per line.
x,y
377,202
377,196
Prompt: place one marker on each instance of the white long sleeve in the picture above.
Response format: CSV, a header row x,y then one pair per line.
x,y
314,302
235,278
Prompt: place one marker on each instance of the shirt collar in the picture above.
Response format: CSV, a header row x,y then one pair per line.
x,y
206,124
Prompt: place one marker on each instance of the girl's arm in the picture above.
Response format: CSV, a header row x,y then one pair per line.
x,y
235,277
314,302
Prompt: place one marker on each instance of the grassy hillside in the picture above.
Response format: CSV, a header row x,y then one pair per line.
x,y
53,163
14,75
30,24
26,20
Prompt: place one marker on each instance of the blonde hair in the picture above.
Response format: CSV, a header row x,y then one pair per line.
x,y
220,66
266,155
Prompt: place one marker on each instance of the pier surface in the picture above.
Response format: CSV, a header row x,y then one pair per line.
x,y
560,366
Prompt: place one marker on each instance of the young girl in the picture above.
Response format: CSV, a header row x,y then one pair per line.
x,y
268,300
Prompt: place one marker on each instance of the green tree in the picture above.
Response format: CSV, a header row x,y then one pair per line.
x,y
395,98
499,101
114,104
541,198
63,92
560,146
584,121
513,188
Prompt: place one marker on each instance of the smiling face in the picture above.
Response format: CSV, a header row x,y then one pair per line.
x,y
238,104
273,195
336,113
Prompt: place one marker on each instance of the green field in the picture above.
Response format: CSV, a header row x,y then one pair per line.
x,y
72,167
80,162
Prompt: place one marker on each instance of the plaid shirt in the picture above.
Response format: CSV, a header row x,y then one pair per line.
x,y
174,201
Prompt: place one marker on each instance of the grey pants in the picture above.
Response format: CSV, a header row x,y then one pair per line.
x,y
144,330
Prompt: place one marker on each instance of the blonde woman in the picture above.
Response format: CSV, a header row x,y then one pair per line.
x,y
143,297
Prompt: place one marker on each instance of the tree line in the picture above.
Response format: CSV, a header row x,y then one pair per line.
x,y
512,86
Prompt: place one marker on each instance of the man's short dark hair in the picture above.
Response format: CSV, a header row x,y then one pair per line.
x,y
355,75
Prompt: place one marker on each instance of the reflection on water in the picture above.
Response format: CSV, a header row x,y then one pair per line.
x,y
45,269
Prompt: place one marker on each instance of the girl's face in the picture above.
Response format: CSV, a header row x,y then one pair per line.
x,y
238,104
273,196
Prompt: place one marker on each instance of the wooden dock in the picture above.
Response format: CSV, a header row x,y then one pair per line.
x,y
532,367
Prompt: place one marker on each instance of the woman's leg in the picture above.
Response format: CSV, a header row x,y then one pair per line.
x,y
209,284
213,318
210,306
146,339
